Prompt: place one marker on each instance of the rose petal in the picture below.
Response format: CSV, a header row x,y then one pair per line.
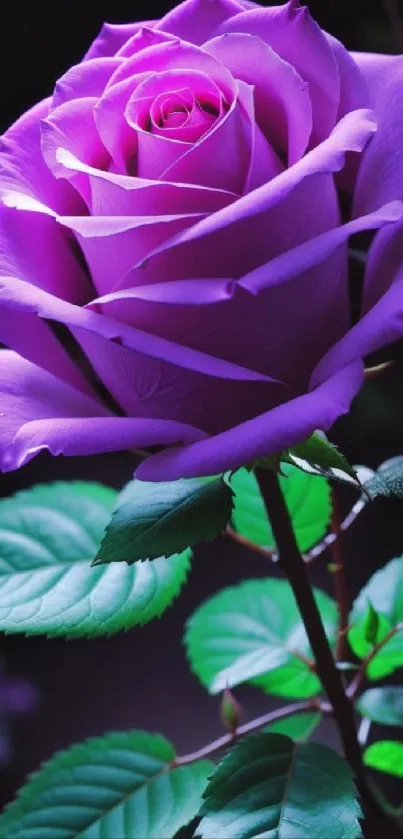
x,y
380,326
112,37
195,20
282,102
124,195
231,229
296,37
86,79
72,126
39,412
25,297
142,39
262,436
380,177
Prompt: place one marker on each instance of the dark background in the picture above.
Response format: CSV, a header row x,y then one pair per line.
x,y
140,679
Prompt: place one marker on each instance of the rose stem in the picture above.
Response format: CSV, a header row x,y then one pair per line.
x,y
339,578
295,570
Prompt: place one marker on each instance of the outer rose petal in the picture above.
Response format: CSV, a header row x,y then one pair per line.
x,y
112,37
267,434
39,412
116,195
297,38
196,20
86,79
59,129
380,177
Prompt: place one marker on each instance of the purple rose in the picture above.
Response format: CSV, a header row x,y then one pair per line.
x,y
175,265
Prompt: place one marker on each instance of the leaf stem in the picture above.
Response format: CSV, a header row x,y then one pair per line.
x,y
339,578
355,685
247,543
296,572
252,725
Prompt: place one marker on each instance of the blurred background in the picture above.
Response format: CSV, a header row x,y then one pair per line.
x,y
53,692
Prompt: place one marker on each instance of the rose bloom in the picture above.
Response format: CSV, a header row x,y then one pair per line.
x,y
174,270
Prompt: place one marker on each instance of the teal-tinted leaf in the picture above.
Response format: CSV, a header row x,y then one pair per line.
x,y
115,787
48,537
253,632
160,519
270,786
388,480
385,591
382,705
385,756
307,499
297,727
318,456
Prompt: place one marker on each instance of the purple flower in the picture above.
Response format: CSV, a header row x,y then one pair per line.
x,y
175,264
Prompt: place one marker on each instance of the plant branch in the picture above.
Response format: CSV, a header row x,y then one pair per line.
x,y
247,543
252,725
355,685
296,572
339,578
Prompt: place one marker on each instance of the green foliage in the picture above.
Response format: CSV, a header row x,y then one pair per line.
x,y
298,726
118,786
387,480
253,632
382,705
318,456
48,537
385,592
385,756
371,625
160,519
270,786
307,499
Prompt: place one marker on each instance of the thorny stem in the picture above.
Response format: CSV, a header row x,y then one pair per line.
x,y
339,577
252,725
356,684
296,573
246,543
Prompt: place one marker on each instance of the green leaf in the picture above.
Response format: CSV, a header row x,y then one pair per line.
x,y
318,456
385,592
307,499
118,787
48,537
253,632
382,705
160,519
270,786
371,625
385,756
298,726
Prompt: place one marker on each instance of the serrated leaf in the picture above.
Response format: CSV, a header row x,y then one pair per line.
x,y
385,756
115,786
270,786
307,498
382,705
298,726
160,519
48,537
253,632
385,591
318,456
